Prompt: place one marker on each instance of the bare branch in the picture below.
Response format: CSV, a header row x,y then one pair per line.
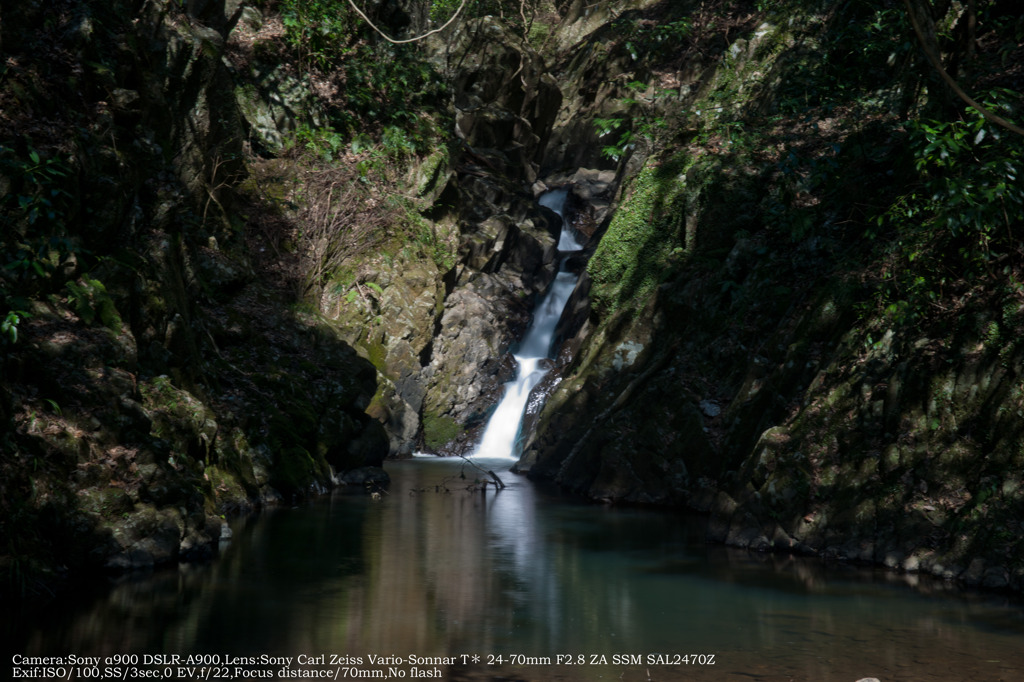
x,y
497,481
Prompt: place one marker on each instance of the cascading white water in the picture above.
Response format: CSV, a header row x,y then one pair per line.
x,y
502,432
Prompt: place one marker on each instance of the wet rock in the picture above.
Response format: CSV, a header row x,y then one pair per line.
x,y
369,477
481,321
710,408
146,538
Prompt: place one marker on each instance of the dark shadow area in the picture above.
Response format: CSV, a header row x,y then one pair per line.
x,y
159,372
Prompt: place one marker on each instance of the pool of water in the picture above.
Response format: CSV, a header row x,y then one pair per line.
x,y
437,572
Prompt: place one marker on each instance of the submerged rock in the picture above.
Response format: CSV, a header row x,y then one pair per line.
x,y
367,477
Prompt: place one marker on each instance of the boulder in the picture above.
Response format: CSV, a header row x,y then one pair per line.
x,y
274,103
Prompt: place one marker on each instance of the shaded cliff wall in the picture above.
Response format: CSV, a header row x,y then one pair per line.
x,y
155,375
746,353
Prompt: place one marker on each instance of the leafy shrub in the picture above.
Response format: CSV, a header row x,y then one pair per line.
x,y
380,82
37,196
92,303
969,177
961,212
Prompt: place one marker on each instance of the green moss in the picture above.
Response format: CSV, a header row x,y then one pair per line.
x,y
429,172
635,254
108,503
294,470
92,303
226,484
376,351
439,430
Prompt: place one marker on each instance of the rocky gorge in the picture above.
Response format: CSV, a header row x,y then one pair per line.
x,y
750,338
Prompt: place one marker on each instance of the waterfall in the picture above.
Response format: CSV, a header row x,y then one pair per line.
x,y
502,432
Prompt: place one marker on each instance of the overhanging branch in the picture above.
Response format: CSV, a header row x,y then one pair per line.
x,y
937,64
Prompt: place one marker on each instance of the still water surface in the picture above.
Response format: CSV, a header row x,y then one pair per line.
x,y
432,569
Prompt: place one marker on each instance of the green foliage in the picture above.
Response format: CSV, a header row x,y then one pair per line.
x,y
324,143
961,212
441,10
512,12
9,327
969,178
28,264
644,123
647,41
386,87
860,54
54,405
396,143
38,198
33,211
607,126
321,31
967,182
92,303
390,85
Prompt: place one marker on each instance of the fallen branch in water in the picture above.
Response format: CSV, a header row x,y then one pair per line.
x,y
497,481
479,484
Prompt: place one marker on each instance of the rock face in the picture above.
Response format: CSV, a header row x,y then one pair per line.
x,y
444,351
441,337
157,379
583,18
509,257
607,431
800,416
505,100
274,103
869,468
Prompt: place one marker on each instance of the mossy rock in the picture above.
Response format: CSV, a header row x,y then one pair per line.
x,y
107,503
296,471
227,487
439,430
179,418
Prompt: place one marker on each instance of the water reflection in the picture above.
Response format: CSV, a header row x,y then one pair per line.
x,y
444,573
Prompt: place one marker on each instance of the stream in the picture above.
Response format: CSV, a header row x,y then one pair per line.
x,y
529,581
